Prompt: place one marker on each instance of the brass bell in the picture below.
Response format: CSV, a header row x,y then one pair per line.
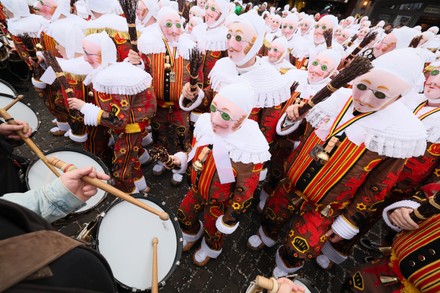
x,y
197,165
326,211
388,280
90,93
322,157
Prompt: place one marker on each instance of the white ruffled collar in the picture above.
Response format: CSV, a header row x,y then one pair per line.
x,y
210,39
392,132
246,145
32,25
270,87
109,21
153,43
75,66
121,78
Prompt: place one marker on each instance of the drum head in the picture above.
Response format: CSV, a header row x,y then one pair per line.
x,y
20,110
38,174
124,237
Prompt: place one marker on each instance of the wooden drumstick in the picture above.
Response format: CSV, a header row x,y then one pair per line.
x,y
270,284
65,167
154,280
10,120
13,102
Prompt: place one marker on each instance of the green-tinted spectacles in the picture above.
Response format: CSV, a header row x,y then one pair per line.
x,y
322,26
323,67
377,94
225,116
238,38
288,26
435,72
170,24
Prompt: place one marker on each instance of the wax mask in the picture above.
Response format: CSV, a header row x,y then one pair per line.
x,y
171,27
322,25
288,28
45,8
387,44
141,10
201,3
344,35
320,68
226,116
212,12
337,31
362,33
191,24
92,53
304,26
432,85
275,52
268,20
275,23
376,90
240,38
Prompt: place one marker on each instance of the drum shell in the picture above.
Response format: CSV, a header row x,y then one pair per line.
x,y
38,174
127,242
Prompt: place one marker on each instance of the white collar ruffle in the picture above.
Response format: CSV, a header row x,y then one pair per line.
x,y
32,25
210,39
152,43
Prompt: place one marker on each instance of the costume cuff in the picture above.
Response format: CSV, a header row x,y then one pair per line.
x,y
140,65
194,105
38,84
344,228
92,113
285,127
400,204
224,228
183,162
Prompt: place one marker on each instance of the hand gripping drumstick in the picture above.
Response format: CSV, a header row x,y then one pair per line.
x,y
154,280
270,284
10,120
65,167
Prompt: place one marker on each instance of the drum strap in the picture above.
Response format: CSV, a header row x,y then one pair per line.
x,y
27,256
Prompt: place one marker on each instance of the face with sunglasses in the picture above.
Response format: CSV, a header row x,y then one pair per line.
x,y
92,53
288,28
275,52
171,27
212,12
320,27
376,90
238,40
343,36
320,69
226,116
432,85
304,26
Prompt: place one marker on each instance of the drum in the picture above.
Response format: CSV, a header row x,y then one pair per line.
x,y
19,111
38,174
124,237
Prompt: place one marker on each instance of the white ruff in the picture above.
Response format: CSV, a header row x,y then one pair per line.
x,y
32,25
432,124
75,66
271,88
152,43
393,132
121,78
109,21
246,145
212,39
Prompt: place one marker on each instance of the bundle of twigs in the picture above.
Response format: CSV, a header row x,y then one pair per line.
x,y
415,41
61,78
195,60
359,66
32,52
160,153
129,8
367,39
351,41
328,36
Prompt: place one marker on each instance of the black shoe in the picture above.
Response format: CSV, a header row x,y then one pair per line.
x,y
371,245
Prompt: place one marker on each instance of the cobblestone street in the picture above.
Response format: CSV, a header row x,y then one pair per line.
x,y
235,268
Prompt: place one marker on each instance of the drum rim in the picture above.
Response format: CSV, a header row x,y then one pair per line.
x,y
13,97
59,149
11,87
176,226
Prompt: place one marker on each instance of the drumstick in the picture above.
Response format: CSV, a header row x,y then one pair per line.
x,y
154,280
270,284
14,101
65,167
10,120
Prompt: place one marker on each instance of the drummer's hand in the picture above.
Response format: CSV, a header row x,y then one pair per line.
x,y
75,103
333,237
187,93
134,57
287,286
83,191
10,131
